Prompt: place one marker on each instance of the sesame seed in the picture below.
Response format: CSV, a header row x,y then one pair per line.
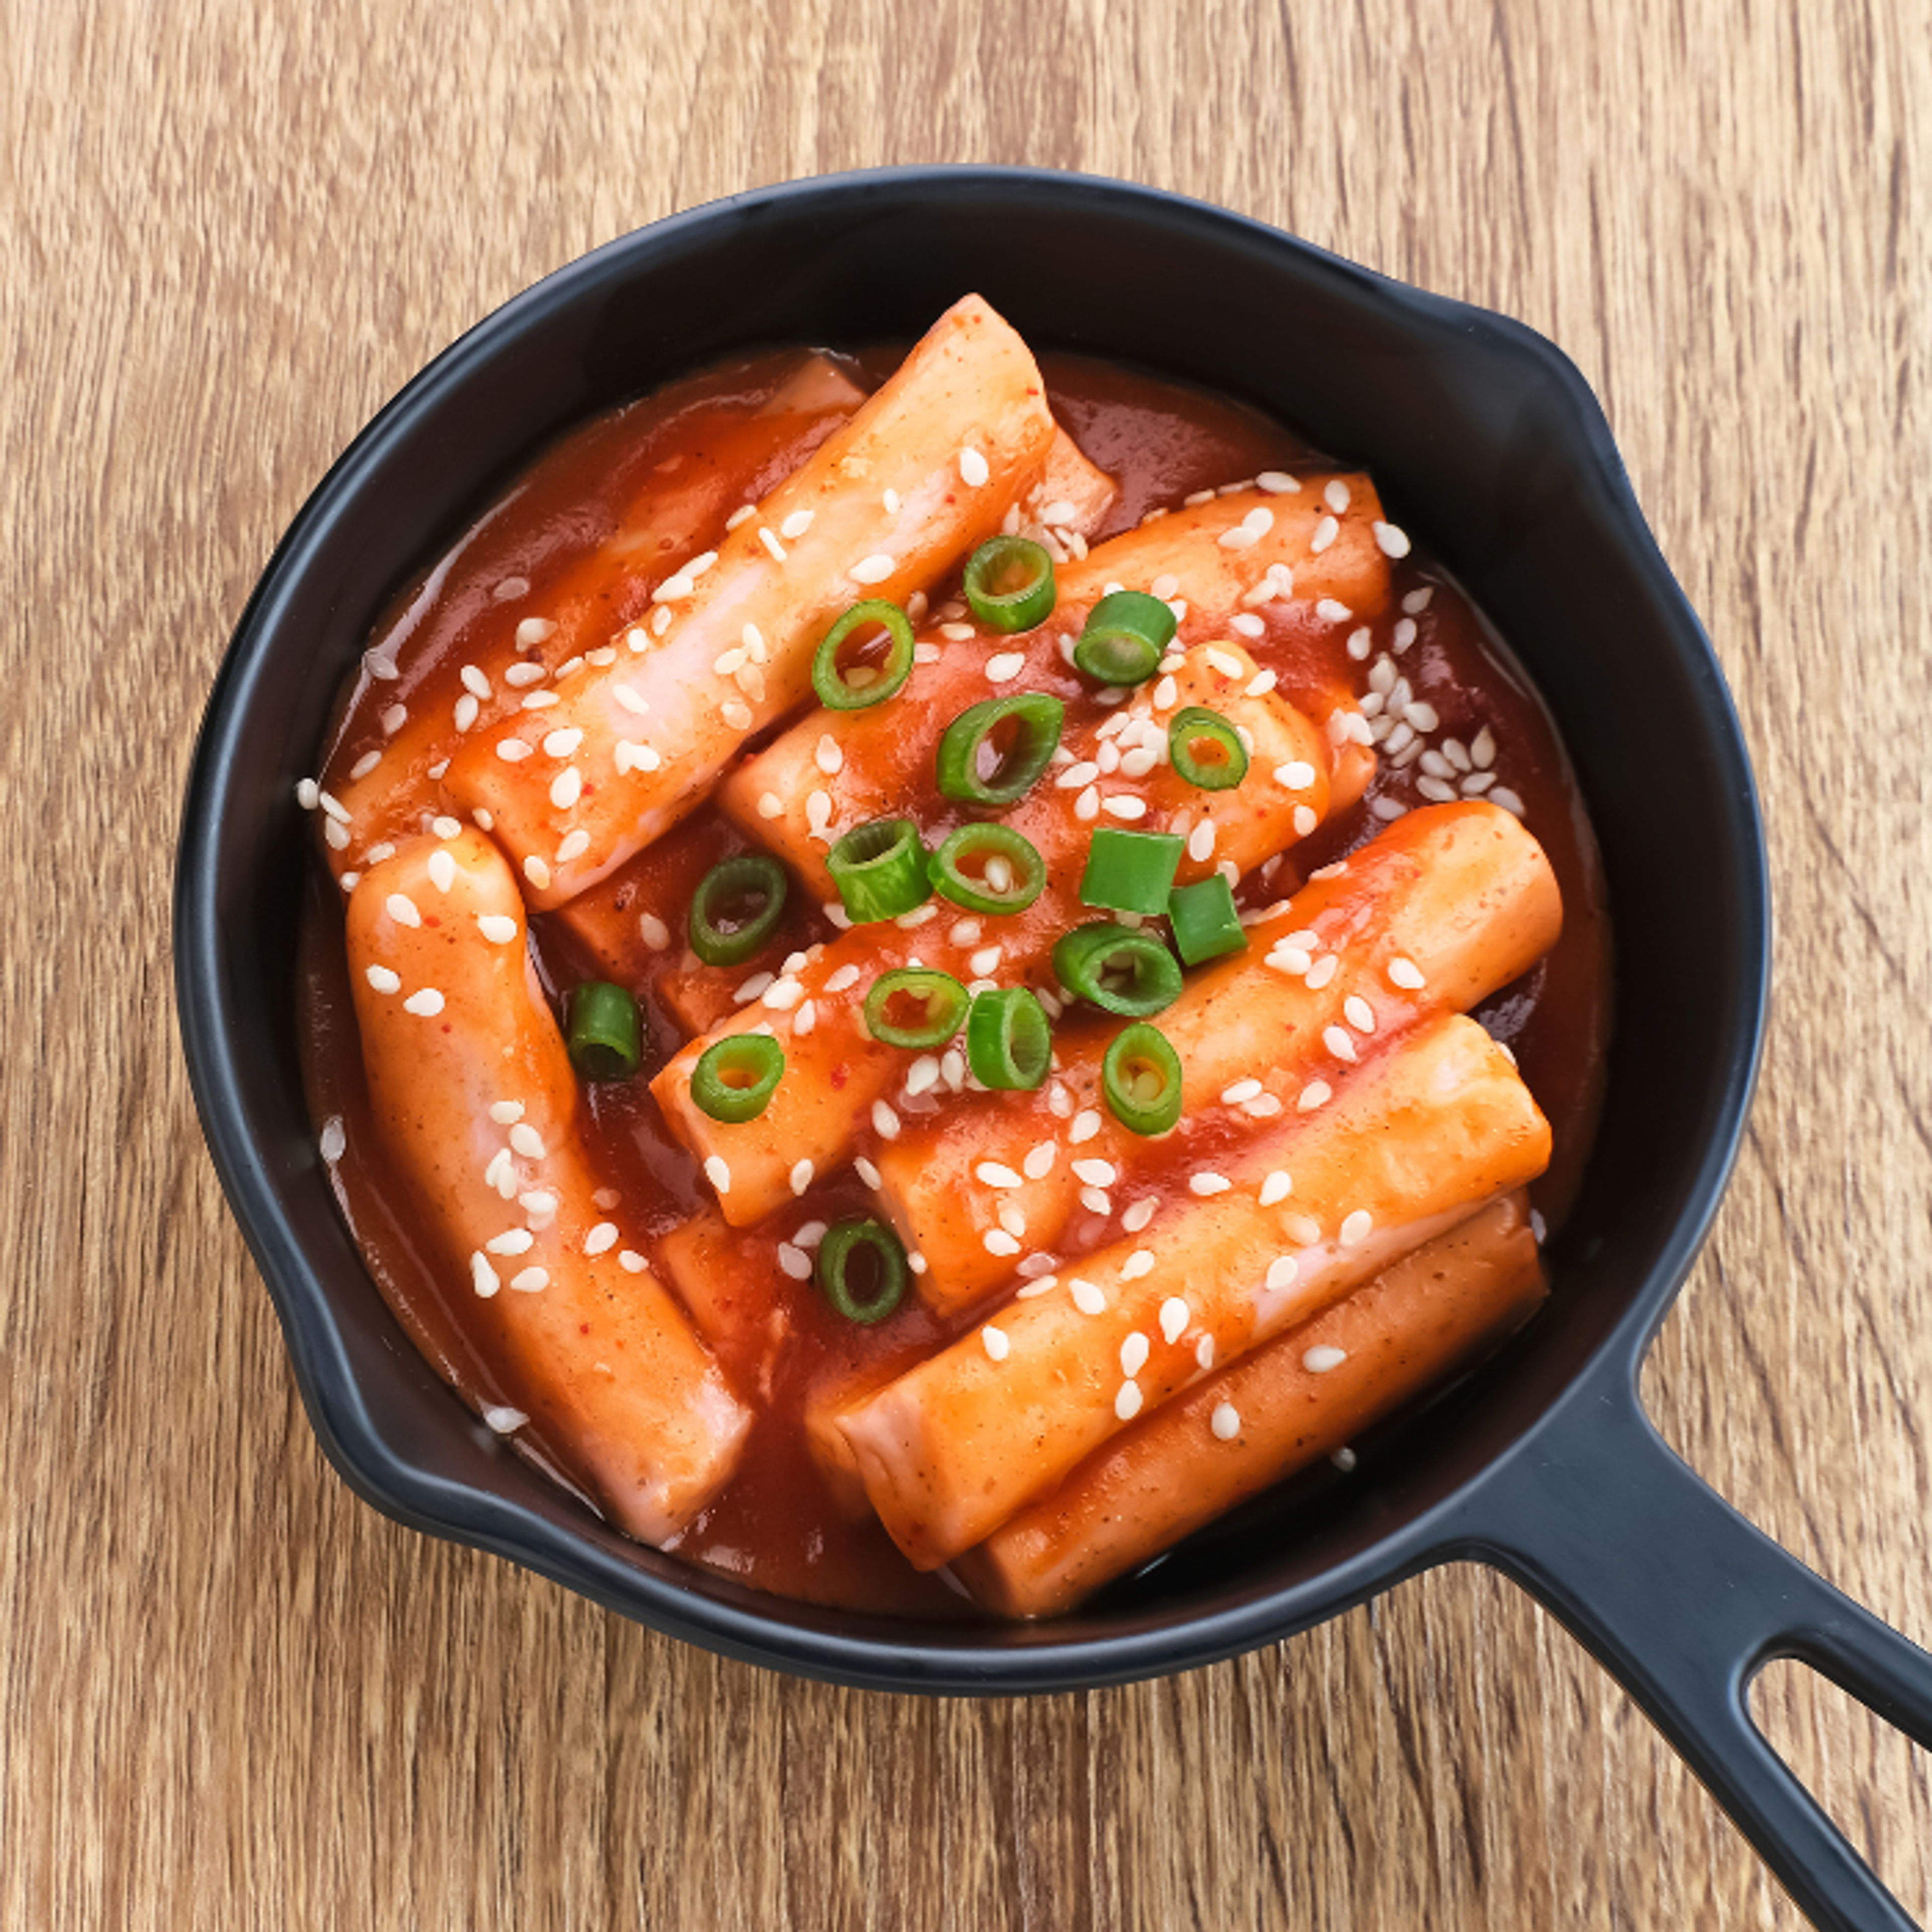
x,y
1096,1201
1174,1316
511,1241
770,805
566,789
538,872
631,1262
891,500
964,932
974,470
600,1238
1124,806
845,976
743,514
383,980
1241,1090
994,1173
661,620
653,931
1096,1173
735,715
369,760
1502,796
525,1140
1226,662
1483,748
540,1204
1435,790
795,525
512,751
483,1276
1318,1360
506,1113
1316,1093
1088,1299
531,1280
795,1261
1134,1352
1332,612
1040,1160
910,922
923,1075
1277,1187
827,756
402,909
501,1173
1297,775
425,1005
753,988
1136,1218
1127,1403
1322,971
873,569
1326,531
1164,694
998,1241
1140,1262
1086,806
1336,1040
1005,667
885,1122
1277,483
1281,1272
1405,973
539,701
783,993
1033,1290
718,1172
1393,541
1207,1183
1355,1228
1085,1125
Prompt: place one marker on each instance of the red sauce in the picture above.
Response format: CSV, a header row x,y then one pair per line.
x,y
775,1526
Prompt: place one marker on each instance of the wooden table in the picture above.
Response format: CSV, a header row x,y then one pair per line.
x,y
232,1695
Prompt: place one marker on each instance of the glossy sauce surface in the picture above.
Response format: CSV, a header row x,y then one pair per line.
x,y
775,1526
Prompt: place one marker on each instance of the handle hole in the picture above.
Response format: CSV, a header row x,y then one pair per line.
x,y
1875,1784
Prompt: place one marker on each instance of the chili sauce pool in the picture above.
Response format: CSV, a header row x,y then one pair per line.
x,y
1462,720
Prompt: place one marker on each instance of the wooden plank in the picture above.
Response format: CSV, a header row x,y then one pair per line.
x,y
231,1696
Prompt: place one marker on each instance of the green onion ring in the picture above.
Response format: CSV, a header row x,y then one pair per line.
x,y
843,1239
1141,1076
879,869
1130,872
1206,748
1009,1041
1009,583
1018,769
750,875
946,1003
1084,958
836,691
601,1029
1124,638
735,1077
987,844
1203,920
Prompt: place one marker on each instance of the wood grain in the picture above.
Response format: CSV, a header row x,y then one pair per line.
x,y
230,1695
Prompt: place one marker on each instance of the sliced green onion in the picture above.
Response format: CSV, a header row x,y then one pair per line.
x,y
850,1241
735,1079
1124,637
1140,1077
940,1000
1131,871
1008,1042
1203,920
988,868
737,908
1009,583
1206,748
866,682
1125,971
601,1029
1012,738
879,869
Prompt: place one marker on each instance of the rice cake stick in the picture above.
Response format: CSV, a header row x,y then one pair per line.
x,y
925,470
473,1093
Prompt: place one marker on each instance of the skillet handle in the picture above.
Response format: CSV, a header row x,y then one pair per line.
x,y
1684,1602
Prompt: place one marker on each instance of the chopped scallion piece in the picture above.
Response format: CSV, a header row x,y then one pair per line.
x,y
994,752
1009,1041
1122,971
879,869
988,868
1206,748
1123,637
852,1249
601,1031
735,1079
1130,872
1203,921
871,677
915,1006
737,908
1141,1076
1009,583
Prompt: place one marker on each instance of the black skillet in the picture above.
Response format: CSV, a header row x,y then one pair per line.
x,y
1485,439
